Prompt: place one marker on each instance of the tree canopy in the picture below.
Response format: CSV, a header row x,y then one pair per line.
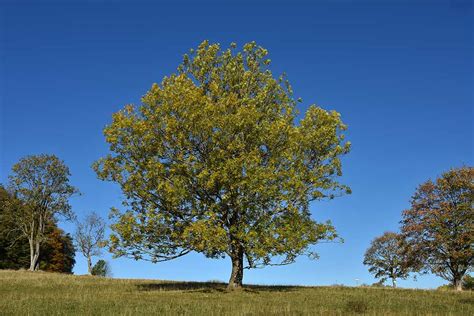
x,y
439,226
216,160
387,258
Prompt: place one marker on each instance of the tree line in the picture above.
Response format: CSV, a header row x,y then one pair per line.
x,y
218,160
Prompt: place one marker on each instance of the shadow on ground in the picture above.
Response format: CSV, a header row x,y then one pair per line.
x,y
208,287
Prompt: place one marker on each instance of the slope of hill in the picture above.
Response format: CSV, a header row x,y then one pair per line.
x,y
39,293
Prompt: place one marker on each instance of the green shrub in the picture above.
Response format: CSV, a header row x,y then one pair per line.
x,y
101,268
468,282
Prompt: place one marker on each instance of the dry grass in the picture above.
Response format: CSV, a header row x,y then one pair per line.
x,y
39,293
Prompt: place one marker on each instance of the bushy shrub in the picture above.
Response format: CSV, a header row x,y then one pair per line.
x,y
468,282
101,268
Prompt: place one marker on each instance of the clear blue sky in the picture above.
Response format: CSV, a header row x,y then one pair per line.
x,y
399,72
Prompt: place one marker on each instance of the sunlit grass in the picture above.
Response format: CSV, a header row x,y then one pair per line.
x,y
39,293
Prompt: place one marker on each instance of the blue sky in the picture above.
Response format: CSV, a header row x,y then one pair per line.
x,y
399,72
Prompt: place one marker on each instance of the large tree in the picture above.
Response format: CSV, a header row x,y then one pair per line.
x,y
387,258
439,226
213,161
41,183
90,237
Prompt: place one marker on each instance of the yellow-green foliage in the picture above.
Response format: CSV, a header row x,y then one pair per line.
x,y
37,293
215,161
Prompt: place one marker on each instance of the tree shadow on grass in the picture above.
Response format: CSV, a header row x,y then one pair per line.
x,y
206,287
271,288
210,287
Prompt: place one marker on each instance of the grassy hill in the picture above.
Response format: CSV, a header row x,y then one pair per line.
x,y
26,293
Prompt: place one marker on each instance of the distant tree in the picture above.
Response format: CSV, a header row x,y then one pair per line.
x,y
41,183
102,268
89,237
386,258
57,253
439,226
215,162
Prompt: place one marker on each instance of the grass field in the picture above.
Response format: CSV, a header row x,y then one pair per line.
x,y
39,293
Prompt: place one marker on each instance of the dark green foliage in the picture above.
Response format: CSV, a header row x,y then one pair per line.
x,y
101,268
14,252
58,250
468,282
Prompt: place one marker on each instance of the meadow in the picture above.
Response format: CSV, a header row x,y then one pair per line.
x,y
41,293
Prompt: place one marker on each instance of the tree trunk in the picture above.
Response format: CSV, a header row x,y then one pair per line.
x,y
457,284
89,265
34,255
37,230
394,282
237,275
37,254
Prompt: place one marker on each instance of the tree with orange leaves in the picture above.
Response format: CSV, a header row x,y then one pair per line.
x,y
439,226
386,258
59,252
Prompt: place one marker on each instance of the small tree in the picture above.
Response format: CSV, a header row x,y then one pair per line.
x,y
386,258
215,161
439,226
89,237
41,183
101,268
